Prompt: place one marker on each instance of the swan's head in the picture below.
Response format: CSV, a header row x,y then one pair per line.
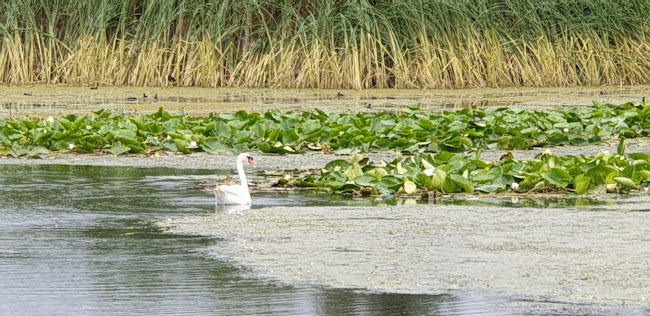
x,y
247,157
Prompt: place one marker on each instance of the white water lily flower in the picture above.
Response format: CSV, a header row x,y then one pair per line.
x,y
193,143
514,185
71,146
566,130
429,172
287,176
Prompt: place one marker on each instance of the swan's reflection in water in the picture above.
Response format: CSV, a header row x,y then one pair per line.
x,y
230,208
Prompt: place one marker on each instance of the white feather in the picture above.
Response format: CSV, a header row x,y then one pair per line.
x,y
236,194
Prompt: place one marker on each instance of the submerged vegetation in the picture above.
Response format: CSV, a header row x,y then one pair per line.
x,y
274,132
325,44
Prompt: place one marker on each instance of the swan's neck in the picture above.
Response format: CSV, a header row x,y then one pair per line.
x,y
242,174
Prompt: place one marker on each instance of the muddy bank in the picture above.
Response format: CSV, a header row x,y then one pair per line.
x,y
45,100
552,255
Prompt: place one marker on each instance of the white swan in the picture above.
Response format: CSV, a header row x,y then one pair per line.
x,y
236,194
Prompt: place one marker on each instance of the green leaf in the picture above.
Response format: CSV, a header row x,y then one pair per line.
x,y
581,183
66,124
409,187
290,138
640,156
368,181
400,168
626,182
182,146
265,148
169,145
427,165
578,140
490,188
519,142
118,149
558,177
125,134
37,151
103,113
600,172
391,182
353,171
644,175
450,186
557,139
382,144
337,165
161,114
622,146
438,179
462,182
425,181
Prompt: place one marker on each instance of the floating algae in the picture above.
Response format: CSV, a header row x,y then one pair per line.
x,y
59,100
540,254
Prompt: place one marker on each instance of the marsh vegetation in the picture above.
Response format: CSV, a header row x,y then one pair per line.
x,y
320,44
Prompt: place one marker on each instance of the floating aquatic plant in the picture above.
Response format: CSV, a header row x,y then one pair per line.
x,y
409,131
452,173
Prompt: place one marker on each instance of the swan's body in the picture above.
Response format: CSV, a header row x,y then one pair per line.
x,y
236,194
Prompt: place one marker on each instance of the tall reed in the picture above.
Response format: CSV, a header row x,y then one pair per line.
x,y
325,44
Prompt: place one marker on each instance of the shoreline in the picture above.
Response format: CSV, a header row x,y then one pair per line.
x,y
43,100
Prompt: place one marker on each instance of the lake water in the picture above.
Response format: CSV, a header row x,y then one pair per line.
x,y
78,240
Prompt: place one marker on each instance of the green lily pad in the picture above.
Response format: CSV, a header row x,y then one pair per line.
x,y
581,183
368,181
558,177
490,188
118,148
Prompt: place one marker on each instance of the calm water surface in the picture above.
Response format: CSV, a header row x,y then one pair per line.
x,y
81,241
78,240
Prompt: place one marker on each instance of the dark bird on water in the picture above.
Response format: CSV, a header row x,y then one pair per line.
x,y
171,79
340,95
144,95
155,97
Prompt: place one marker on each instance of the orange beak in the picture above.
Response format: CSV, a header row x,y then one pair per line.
x,y
251,161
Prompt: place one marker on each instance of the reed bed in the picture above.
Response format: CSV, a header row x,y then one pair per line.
x,y
325,44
